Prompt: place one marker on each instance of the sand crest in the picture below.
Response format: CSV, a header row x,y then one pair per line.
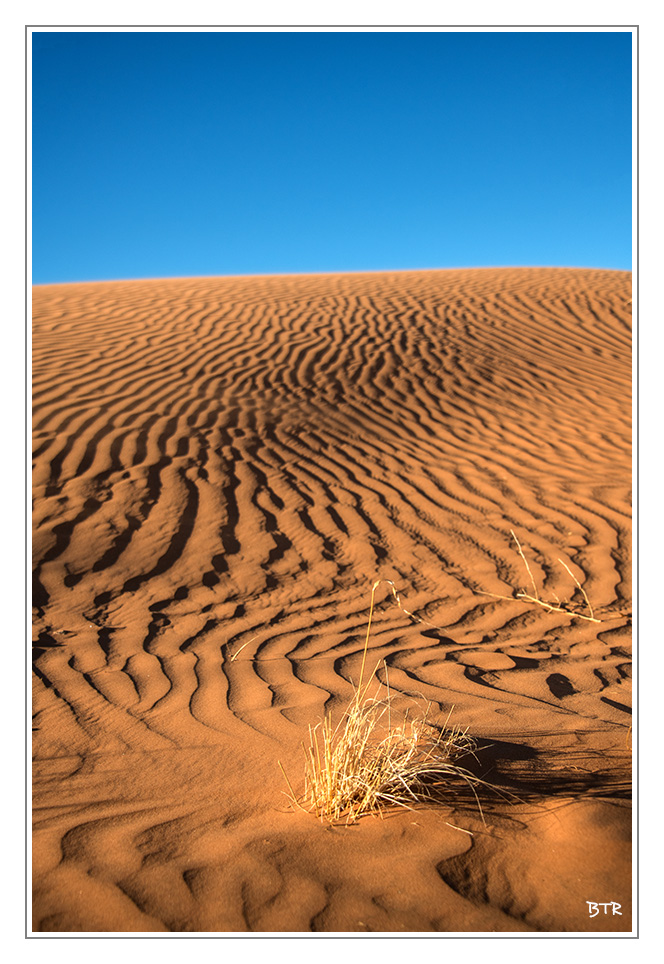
x,y
222,469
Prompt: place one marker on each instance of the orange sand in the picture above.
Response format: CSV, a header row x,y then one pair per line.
x,y
222,468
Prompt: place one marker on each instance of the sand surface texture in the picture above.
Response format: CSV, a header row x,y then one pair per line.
x,y
222,469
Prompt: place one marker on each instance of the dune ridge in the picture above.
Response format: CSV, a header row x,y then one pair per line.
x,y
222,468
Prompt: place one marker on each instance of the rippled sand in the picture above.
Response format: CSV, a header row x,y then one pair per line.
x,y
222,469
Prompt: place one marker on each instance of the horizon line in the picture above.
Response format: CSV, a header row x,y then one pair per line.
x,y
314,274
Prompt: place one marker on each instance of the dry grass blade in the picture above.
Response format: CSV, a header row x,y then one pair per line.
x,y
525,562
579,586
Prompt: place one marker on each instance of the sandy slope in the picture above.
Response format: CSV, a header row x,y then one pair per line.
x,y
222,468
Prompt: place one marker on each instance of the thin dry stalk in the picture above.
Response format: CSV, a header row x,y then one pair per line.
x,y
525,562
579,586
535,598
235,655
237,652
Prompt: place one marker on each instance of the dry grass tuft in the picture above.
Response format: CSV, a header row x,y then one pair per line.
x,y
368,763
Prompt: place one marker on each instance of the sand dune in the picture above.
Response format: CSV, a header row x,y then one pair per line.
x,y
222,468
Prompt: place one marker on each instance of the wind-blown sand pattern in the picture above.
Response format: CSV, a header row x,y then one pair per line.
x,y
222,468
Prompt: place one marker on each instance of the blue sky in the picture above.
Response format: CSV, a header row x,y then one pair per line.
x,y
182,154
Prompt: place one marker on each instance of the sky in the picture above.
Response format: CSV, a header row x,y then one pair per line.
x,y
180,154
